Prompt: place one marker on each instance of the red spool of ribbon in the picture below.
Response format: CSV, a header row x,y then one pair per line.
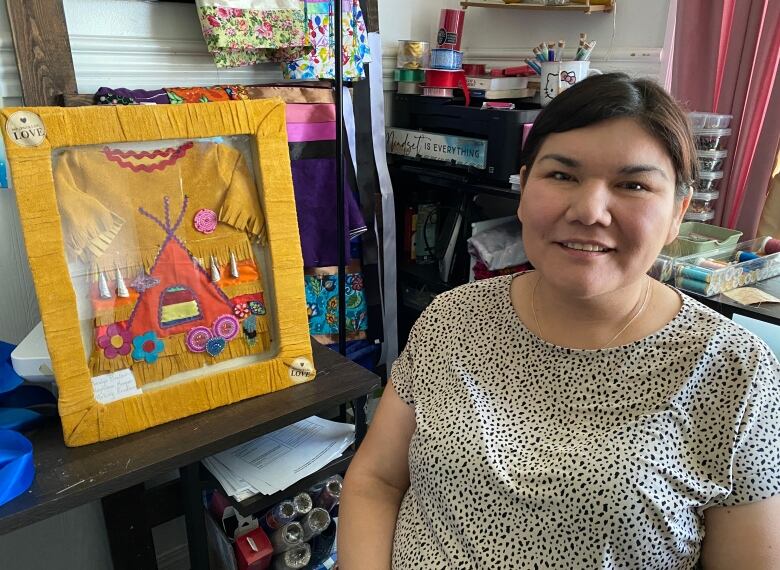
x,y
448,80
474,69
450,28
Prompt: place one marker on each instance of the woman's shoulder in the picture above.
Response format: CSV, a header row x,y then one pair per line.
x,y
720,339
455,311
483,295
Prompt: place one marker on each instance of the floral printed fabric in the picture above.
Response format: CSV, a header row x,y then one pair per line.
x,y
318,61
238,36
180,95
322,302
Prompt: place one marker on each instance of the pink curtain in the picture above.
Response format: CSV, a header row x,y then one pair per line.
x,y
726,55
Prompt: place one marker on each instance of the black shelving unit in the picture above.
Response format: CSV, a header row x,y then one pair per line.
x,y
450,186
262,503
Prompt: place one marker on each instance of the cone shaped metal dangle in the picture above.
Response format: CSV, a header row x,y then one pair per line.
x,y
121,288
233,266
215,275
103,290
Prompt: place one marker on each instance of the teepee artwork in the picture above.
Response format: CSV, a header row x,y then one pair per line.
x,y
185,296
138,329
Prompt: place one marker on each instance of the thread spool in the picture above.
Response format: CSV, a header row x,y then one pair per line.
x,y
771,246
695,273
746,256
449,59
694,285
710,264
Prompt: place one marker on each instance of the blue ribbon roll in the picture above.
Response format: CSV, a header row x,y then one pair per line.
x,y
21,407
17,470
449,59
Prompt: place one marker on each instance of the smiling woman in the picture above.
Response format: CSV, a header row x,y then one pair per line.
x,y
581,415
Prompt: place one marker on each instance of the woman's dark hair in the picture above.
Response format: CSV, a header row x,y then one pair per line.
x,y
616,95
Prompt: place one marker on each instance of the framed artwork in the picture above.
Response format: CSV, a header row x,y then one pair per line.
x,y
166,257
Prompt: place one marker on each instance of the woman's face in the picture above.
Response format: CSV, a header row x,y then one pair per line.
x,y
598,205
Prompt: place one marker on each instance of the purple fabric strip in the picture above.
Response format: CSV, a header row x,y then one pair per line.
x,y
304,132
111,95
314,180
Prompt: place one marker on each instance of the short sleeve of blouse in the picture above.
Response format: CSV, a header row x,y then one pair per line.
x,y
402,373
756,462
406,367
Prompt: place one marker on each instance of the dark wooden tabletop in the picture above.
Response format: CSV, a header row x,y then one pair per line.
x,y
69,477
768,312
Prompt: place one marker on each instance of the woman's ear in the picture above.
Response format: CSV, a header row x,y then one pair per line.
x,y
681,206
523,178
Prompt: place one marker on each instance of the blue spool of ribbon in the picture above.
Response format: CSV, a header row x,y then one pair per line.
x,y
17,470
450,59
21,407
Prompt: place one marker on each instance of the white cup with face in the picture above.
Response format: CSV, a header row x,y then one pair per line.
x,y
558,76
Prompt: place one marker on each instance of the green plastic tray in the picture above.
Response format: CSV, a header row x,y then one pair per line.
x,y
697,237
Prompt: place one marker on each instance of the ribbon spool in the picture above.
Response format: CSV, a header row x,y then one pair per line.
x,y
17,470
450,28
409,75
448,59
21,407
408,88
439,79
438,92
413,54
474,69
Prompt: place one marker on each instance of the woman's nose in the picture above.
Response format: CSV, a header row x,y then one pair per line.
x,y
590,204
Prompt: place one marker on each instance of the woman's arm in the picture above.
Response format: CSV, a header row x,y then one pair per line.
x,y
374,486
745,536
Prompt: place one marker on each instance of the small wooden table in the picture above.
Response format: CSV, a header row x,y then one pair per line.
x,y
115,470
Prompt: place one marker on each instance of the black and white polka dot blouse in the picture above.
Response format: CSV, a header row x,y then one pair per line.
x,y
530,455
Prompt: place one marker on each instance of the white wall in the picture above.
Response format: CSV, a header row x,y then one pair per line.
x,y
140,44
505,37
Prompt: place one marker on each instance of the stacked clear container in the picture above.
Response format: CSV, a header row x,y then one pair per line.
x,y
710,132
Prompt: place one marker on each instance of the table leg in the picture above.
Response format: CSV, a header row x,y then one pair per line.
x,y
193,516
129,534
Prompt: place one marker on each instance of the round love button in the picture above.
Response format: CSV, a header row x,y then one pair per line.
x,y
25,129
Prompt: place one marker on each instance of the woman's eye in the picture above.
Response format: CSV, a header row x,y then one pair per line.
x,y
559,176
635,186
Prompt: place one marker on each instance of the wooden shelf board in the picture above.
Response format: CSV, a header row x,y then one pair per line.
x,y
586,8
93,471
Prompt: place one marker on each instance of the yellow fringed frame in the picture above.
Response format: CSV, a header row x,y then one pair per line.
x,y
85,420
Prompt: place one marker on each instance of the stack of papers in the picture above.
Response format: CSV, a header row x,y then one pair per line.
x,y
273,462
